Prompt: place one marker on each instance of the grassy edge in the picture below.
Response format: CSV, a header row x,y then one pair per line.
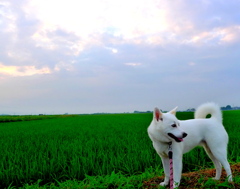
x,y
115,180
148,180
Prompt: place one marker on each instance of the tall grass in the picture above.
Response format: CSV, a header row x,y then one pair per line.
x,y
73,147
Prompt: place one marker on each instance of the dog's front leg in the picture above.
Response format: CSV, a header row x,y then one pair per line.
x,y
177,169
165,162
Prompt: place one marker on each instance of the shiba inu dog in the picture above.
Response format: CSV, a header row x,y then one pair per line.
x,y
185,135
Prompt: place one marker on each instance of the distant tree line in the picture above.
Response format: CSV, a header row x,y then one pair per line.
x,y
139,112
228,107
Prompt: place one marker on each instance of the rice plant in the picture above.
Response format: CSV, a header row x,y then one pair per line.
x,y
73,148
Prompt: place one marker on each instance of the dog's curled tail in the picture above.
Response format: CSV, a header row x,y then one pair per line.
x,y
208,108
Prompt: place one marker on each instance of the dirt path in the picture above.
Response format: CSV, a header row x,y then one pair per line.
x,y
199,179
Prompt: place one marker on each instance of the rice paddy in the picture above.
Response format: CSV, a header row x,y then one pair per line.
x,y
76,147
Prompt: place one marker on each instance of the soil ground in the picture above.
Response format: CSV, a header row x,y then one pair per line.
x,y
199,179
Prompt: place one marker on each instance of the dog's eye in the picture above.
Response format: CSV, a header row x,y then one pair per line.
x,y
174,125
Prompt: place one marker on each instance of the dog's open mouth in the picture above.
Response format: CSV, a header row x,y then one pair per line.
x,y
175,138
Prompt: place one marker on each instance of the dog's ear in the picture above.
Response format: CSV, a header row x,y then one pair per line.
x,y
157,114
173,111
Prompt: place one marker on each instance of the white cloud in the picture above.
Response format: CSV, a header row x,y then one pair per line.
x,y
64,66
8,18
22,70
129,20
80,17
216,36
42,40
113,50
133,64
110,23
231,34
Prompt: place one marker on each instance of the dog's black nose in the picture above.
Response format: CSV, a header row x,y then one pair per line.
x,y
184,135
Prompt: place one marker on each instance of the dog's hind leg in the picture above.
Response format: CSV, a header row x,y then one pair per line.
x,y
223,159
216,163
220,154
227,168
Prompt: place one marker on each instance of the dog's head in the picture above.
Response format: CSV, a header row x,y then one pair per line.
x,y
168,125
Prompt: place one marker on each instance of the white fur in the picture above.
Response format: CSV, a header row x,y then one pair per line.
x,y
208,133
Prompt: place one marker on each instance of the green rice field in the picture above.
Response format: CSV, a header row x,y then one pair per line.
x,y
60,148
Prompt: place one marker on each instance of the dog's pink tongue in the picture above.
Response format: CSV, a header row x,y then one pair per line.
x,y
181,139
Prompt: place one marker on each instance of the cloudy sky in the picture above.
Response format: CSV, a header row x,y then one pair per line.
x,y
78,56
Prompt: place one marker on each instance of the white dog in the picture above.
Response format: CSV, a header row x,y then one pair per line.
x,y
185,135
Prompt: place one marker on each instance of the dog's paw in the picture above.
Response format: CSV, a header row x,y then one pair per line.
x,y
230,178
163,184
176,185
